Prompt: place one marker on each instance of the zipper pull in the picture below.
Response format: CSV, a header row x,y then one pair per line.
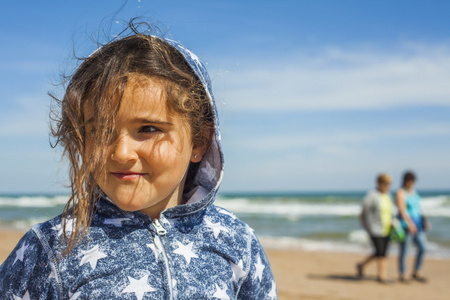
x,y
158,227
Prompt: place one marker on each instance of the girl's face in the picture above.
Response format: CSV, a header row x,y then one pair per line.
x,y
148,160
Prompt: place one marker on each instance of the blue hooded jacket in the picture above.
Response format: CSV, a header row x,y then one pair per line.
x,y
193,251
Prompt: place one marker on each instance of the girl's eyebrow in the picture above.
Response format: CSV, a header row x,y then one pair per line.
x,y
146,121
139,120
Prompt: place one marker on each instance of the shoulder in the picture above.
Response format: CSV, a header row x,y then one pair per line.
x,y
241,235
229,219
400,192
49,232
372,196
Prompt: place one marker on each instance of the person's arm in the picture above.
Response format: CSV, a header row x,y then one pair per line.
x,y
401,204
363,214
426,224
27,272
259,283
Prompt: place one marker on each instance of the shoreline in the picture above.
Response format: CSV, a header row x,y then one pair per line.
x,y
323,275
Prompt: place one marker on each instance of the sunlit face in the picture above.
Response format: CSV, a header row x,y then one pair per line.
x,y
147,162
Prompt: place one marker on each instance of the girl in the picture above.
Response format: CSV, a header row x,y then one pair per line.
x,y
139,127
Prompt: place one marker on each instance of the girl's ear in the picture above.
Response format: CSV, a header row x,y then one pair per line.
x,y
200,150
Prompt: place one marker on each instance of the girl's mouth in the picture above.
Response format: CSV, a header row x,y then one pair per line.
x,y
127,175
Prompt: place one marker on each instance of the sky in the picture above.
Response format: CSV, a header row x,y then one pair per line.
x,y
312,95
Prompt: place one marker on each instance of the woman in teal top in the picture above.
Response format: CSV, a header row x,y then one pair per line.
x,y
411,217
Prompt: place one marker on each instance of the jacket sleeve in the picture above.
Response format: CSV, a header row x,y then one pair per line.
x,y
367,210
27,272
260,283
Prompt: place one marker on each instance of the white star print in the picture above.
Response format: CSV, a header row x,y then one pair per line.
x,y
273,291
238,271
20,252
92,256
186,251
116,222
216,227
259,269
155,250
26,296
138,287
74,296
70,226
221,294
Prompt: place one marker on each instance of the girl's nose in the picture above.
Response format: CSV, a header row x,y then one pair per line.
x,y
124,150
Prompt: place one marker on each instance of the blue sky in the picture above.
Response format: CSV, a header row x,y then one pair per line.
x,y
313,95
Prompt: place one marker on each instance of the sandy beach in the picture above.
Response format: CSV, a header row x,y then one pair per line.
x,y
326,275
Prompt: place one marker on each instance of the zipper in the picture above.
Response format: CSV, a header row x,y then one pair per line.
x,y
158,227
160,231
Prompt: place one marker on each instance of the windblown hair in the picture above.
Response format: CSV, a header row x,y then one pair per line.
x,y
99,83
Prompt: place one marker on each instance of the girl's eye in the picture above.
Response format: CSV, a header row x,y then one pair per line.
x,y
148,129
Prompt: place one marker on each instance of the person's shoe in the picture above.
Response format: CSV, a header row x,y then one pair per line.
x,y
359,271
419,278
403,279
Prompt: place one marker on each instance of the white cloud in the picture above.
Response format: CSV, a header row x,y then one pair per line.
x,y
341,79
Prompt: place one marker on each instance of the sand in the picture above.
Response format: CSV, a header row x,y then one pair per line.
x,y
327,275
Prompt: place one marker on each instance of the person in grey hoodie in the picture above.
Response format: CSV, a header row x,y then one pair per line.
x,y
139,127
376,218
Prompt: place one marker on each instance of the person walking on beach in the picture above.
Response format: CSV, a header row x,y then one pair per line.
x,y
139,127
376,218
414,223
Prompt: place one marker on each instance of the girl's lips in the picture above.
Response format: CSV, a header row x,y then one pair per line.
x,y
127,175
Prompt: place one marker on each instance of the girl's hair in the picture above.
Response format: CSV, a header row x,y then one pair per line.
x,y
408,176
98,84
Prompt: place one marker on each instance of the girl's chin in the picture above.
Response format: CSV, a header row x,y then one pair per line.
x,y
124,203
129,206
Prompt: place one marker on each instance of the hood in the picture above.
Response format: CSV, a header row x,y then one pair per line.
x,y
210,171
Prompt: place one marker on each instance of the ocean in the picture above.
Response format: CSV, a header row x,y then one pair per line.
x,y
308,221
